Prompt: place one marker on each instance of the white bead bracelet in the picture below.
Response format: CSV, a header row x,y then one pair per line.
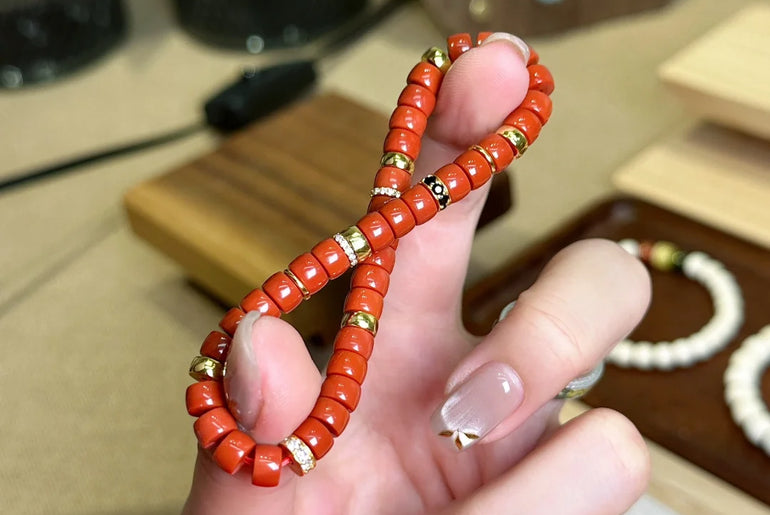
x,y
712,337
743,378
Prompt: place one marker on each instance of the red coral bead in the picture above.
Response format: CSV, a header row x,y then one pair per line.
x,y
267,465
355,339
455,180
385,258
392,177
216,345
404,141
332,257
258,300
399,217
310,272
376,230
342,389
364,299
316,436
372,277
425,75
527,122
231,454
500,150
419,97
458,44
284,292
214,425
539,103
540,79
332,414
411,118
421,203
534,57
204,396
476,167
482,37
348,364
231,320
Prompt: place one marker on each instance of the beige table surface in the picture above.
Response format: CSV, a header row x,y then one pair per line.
x,y
97,328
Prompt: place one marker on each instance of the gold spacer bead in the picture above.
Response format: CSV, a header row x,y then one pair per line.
x,y
663,255
481,150
515,137
291,275
360,319
301,454
398,160
204,368
438,58
358,242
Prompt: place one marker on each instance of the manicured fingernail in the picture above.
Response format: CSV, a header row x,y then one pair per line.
x,y
520,45
241,381
505,311
487,397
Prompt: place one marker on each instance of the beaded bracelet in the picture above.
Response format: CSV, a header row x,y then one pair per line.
x,y
712,337
395,209
742,388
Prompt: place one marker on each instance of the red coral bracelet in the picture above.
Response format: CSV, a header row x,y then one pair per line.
x,y
395,209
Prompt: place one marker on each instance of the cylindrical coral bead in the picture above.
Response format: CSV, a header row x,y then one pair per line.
x,y
539,103
348,364
534,57
458,44
482,36
332,257
476,167
364,299
425,75
376,230
372,277
267,465
540,79
233,451
284,292
385,258
421,203
315,434
404,141
257,300
216,345
499,149
398,215
332,414
310,272
342,389
214,425
355,339
411,118
527,122
455,180
231,320
203,396
392,177
419,97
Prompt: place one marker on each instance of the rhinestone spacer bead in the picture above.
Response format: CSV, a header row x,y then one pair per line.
x,y
300,453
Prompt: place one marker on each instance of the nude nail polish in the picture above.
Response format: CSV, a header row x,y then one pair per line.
x,y
241,379
520,45
485,398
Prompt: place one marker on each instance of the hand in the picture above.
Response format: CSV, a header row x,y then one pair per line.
x,y
390,458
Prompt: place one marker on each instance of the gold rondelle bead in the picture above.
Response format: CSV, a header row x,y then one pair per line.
x,y
204,368
438,58
481,150
291,275
358,242
515,137
398,160
360,319
662,255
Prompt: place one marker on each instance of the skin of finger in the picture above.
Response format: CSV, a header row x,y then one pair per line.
x,y
589,297
596,464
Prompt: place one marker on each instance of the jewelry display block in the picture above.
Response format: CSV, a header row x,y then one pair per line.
x,y
684,410
235,216
725,75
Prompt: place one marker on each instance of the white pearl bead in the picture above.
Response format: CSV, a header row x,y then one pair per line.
x,y
641,356
756,426
621,354
662,356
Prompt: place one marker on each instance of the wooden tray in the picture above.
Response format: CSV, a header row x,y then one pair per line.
x,y
682,410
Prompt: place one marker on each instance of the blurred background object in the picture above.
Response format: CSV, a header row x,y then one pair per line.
x,y
43,40
529,17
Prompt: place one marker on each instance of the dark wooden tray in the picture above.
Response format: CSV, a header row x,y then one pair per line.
x,y
682,410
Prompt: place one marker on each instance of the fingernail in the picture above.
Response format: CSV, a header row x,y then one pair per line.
x,y
520,45
241,379
477,405
505,311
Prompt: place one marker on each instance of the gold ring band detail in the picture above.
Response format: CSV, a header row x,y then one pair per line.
x,y
360,319
481,150
204,368
291,275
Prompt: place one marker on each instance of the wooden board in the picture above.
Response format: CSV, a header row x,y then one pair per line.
x,y
269,193
725,75
682,410
715,175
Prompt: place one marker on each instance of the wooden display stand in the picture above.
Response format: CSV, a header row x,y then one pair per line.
x,y
243,212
